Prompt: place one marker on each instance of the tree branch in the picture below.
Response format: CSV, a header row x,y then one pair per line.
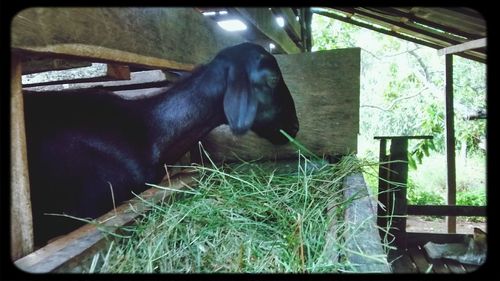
x,y
394,102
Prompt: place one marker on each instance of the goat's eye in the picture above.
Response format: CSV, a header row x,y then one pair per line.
x,y
272,81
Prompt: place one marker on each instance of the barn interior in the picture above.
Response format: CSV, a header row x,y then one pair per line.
x,y
137,52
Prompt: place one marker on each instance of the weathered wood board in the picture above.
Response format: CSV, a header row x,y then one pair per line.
x,y
155,37
95,72
138,80
30,65
21,230
364,245
325,87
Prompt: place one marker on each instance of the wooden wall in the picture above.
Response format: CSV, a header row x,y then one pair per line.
x,y
325,87
175,38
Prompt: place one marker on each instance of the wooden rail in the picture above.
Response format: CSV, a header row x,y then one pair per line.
x,y
77,247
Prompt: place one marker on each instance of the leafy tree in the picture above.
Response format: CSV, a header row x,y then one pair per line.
x,y
402,86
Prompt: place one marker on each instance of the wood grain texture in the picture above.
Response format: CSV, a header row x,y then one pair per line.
x,y
156,37
325,88
21,228
95,72
138,80
364,243
31,65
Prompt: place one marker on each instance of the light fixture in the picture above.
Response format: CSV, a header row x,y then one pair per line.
x,y
280,21
209,13
222,12
232,25
271,46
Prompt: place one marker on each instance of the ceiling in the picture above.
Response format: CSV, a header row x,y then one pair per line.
x,y
434,27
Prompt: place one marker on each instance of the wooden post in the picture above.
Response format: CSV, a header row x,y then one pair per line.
x,y
382,188
450,143
399,175
21,229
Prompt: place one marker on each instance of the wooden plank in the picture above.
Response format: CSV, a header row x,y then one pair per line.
x,y
446,210
327,82
264,20
406,13
438,266
455,266
418,258
95,72
78,246
421,238
383,204
31,65
21,228
138,80
404,137
151,37
472,56
450,142
364,239
479,43
421,30
401,262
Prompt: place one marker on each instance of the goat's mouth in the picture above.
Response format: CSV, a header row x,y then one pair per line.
x,y
277,138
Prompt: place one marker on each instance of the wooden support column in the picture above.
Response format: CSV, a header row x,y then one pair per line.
x,y
383,168
450,143
399,179
21,229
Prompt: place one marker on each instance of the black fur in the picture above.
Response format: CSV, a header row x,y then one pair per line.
x,y
83,142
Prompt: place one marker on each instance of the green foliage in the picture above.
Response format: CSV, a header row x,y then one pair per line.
x,y
402,84
419,151
403,93
471,198
419,196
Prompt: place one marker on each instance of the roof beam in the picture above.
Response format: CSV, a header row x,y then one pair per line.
x,y
392,33
479,43
420,20
406,26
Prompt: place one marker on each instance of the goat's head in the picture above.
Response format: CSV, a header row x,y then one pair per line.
x,y
256,96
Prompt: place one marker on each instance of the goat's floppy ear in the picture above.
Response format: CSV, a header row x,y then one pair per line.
x,y
240,103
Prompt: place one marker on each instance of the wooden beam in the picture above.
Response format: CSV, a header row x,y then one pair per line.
x,y
364,240
479,43
439,210
290,20
42,65
393,33
398,176
150,37
95,72
408,25
383,207
420,238
450,142
21,228
138,80
77,247
264,20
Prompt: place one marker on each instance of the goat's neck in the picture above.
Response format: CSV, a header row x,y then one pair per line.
x,y
186,113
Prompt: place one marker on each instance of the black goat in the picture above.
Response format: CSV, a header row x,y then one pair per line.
x,y
81,143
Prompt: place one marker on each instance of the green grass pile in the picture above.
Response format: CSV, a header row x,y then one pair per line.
x,y
246,217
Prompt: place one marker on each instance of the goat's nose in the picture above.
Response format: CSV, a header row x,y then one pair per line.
x,y
294,129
